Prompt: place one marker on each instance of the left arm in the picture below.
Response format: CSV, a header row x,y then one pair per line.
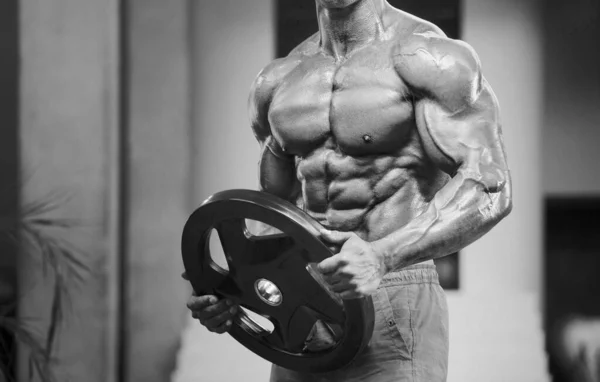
x,y
457,118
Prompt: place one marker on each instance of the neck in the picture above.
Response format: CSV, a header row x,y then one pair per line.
x,y
346,29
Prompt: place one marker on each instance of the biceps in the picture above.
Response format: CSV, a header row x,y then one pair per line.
x,y
277,172
469,140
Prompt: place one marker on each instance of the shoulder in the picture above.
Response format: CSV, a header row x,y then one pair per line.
x,y
269,78
263,87
437,66
272,74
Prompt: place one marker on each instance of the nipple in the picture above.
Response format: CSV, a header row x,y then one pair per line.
x,y
367,138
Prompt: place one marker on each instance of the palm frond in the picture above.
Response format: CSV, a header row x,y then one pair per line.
x,y
39,358
56,314
43,238
55,253
46,204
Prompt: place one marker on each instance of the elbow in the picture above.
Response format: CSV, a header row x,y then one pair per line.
x,y
496,203
504,202
505,207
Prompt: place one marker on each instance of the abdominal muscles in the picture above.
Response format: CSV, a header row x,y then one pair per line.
x,y
371,196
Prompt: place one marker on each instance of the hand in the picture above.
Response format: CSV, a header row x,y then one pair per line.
x,y
216,315
356,270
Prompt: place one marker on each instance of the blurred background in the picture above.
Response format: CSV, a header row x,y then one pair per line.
x,y
119,117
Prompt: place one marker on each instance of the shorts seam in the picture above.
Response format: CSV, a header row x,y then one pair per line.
x,y
412,332
411,277
388,282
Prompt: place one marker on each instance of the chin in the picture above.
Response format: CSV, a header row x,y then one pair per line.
x,y
336,3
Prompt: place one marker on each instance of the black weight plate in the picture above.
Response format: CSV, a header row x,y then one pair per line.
x,y
285,260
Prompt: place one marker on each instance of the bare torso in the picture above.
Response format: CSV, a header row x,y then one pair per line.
x,y
351,126
387,133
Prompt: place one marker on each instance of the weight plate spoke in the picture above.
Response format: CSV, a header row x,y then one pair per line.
x,y
276,338
320,297
229,288
326,306
291,259
267,249
213,277
234,240
299,328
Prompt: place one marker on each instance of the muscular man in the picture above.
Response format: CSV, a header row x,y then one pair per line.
x,y
385,131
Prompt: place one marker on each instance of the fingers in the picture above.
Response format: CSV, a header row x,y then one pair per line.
x,y
349,295
331,264
336,237
348,289
342,287
220,320
211,311
196,303
224,327
334,278
216,315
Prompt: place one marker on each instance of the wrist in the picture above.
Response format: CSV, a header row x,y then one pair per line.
x,y
382,253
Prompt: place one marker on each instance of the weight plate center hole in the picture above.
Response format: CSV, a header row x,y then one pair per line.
x,y
268,292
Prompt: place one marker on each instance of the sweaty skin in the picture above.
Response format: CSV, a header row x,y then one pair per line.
x,y
386,132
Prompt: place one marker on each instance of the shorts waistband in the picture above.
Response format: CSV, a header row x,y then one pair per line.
x,y
414,274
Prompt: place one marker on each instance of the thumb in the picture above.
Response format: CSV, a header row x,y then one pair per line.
x,y
335,237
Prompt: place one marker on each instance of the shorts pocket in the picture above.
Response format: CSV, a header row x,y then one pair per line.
x,y
394,306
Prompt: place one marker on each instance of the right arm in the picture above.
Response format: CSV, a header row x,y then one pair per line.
x,y
277,169
277,175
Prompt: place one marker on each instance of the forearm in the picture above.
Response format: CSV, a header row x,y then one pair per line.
x,y
277,176
460,213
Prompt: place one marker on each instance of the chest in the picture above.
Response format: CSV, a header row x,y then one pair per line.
x,y
361,105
